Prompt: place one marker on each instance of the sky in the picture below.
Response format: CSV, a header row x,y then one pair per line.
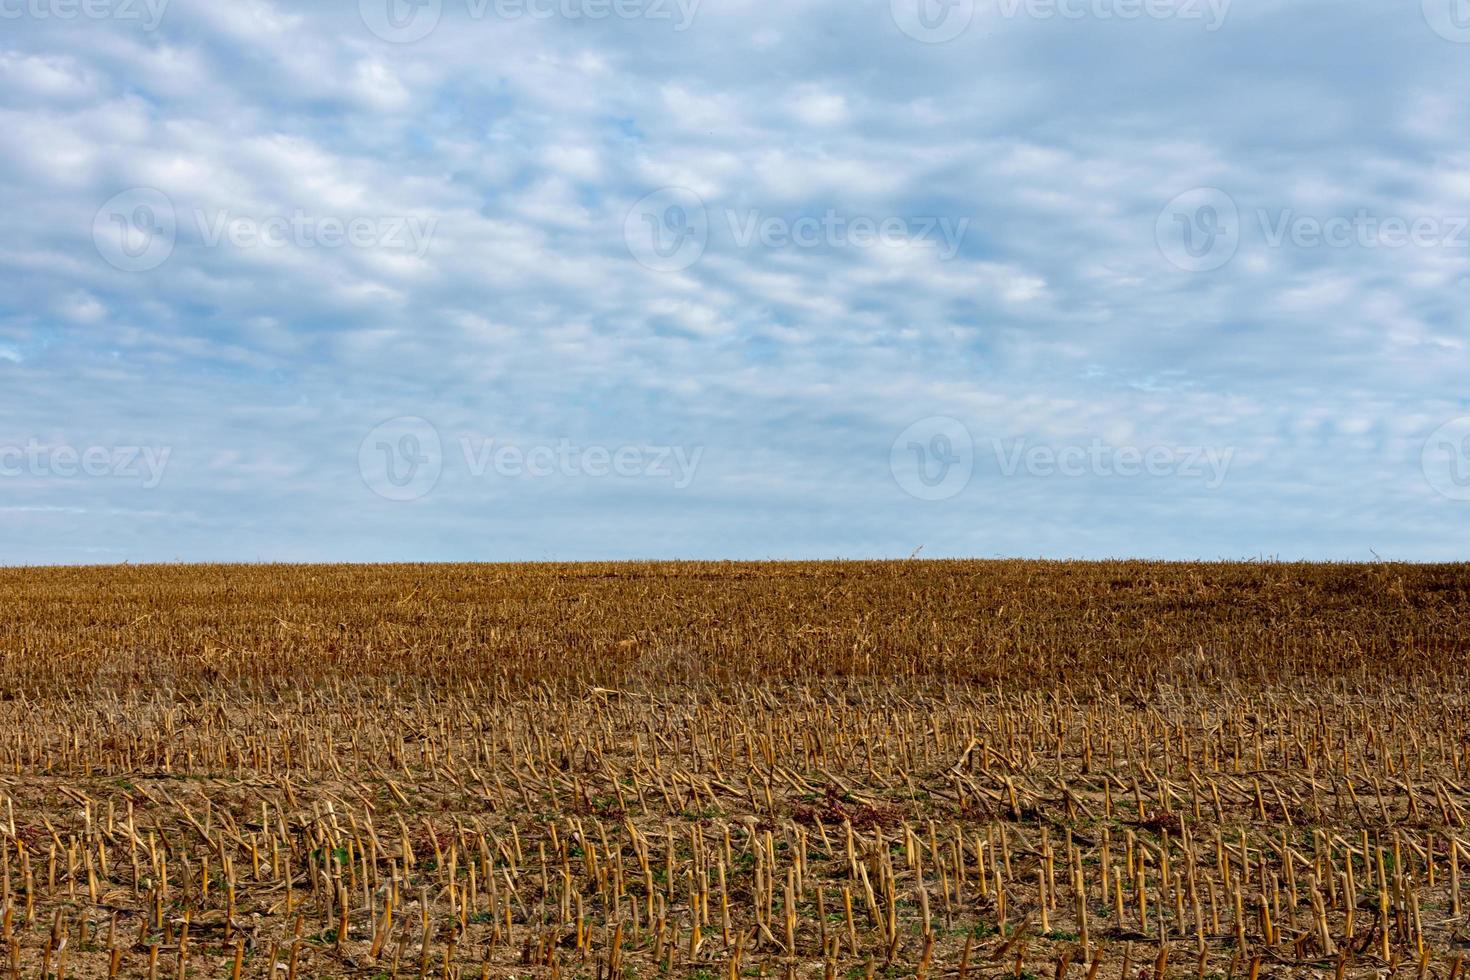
x,y
427,280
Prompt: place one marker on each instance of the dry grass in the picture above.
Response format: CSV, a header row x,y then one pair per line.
x,y
1103,770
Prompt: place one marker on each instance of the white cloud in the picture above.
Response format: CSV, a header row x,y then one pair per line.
x,y
82,308
526,142
816,107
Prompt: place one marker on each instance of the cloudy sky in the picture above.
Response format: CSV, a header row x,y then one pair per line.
x,y
563,279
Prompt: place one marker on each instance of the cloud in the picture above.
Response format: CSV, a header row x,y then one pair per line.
x,y
872,231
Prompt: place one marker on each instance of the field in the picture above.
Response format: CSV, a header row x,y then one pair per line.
x,y
961,769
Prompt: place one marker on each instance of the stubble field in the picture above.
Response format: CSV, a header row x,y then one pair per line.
x,y
1111,770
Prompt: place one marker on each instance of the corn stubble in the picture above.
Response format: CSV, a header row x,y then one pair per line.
x,y
940,769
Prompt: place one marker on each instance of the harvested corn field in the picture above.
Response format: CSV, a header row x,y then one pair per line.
x,y
961,769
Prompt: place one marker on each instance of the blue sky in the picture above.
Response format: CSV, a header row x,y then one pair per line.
x,y
575,279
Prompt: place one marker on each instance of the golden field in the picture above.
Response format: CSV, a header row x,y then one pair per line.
x,y
1118,770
